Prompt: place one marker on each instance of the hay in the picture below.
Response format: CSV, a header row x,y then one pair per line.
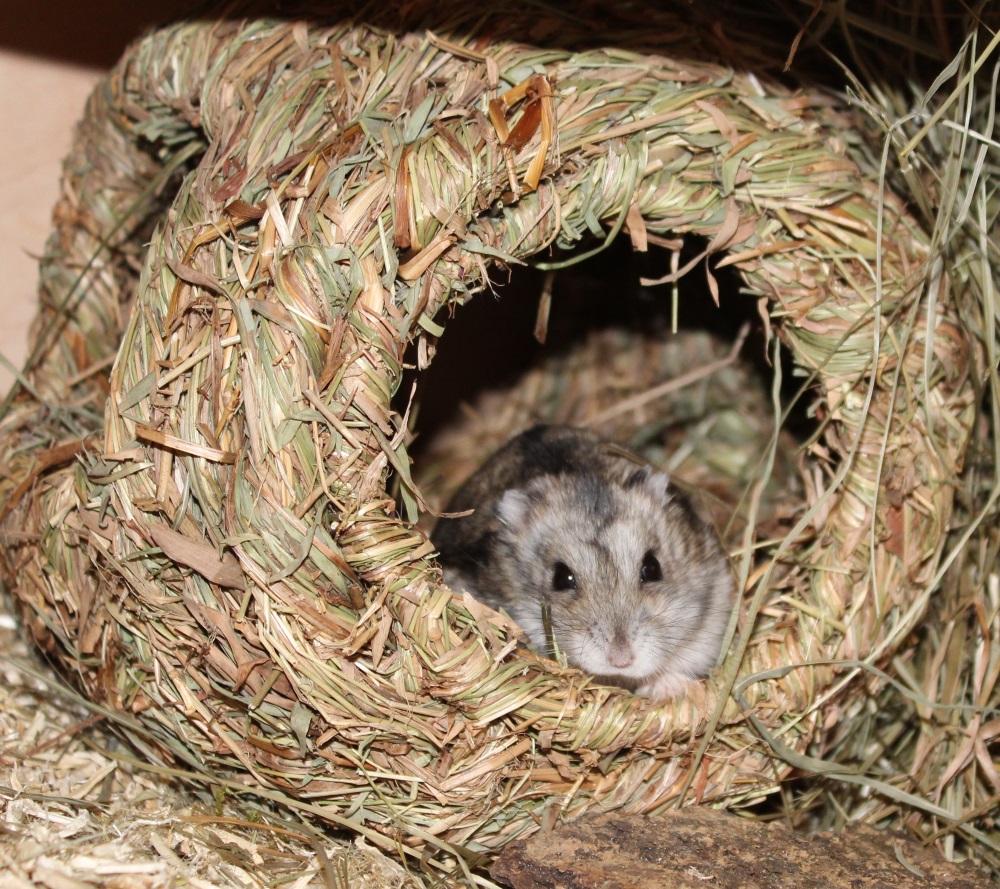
x,y
79,810
927,740
215,551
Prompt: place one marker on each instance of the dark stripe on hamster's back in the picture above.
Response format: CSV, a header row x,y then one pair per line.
x,y
595,499
548,450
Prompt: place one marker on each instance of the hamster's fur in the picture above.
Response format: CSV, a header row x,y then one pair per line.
x,y
638,587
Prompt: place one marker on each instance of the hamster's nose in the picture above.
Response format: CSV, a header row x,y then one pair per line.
x,y
620,654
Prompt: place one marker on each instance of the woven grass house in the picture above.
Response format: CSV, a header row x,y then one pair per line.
x,y
263,219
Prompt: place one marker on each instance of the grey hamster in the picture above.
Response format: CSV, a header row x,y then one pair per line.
x,y
637,585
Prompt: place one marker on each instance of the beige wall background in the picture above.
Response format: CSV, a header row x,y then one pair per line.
x,y
52,52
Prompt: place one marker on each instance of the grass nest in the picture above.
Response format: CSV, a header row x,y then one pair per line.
x,y
260,218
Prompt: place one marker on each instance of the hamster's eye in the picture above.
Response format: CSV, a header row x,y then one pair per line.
x,y
650,570
563,578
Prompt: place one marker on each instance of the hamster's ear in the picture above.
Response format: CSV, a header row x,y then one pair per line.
x,y
655,483
514,508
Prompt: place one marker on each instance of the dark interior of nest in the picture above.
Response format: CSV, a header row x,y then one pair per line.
x,y
611,346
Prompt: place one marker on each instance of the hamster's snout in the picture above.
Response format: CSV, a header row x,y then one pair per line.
x,y
617,648
620,654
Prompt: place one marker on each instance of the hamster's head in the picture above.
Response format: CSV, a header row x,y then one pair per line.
x,y
637,586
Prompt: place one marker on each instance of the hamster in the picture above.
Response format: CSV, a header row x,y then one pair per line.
x,y
638,588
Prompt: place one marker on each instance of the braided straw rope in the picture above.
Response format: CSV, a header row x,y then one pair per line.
x,y
311,197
